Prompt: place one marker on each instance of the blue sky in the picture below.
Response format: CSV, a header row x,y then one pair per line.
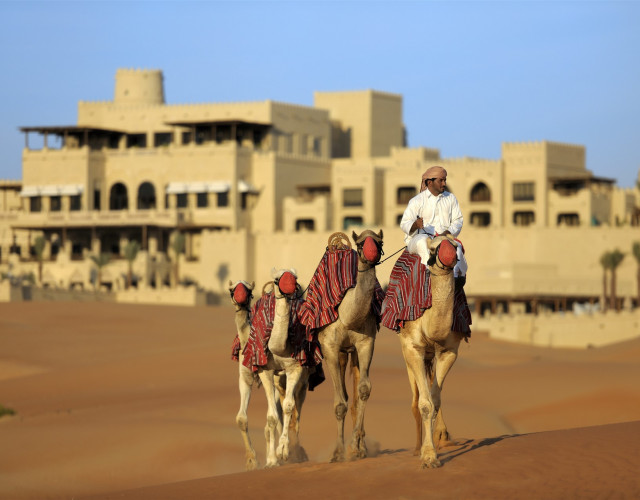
x,y
472,74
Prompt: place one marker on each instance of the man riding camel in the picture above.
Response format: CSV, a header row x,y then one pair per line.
x,y
434,211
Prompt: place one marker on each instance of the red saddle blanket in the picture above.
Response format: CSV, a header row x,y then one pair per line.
x,y
306,348
409,294
235,349
336,273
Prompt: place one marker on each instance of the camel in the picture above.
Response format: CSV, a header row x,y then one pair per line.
x,y
430,338
292,377
354,334
241,294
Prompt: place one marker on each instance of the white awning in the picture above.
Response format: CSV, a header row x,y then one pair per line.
x,y
52,190
30,191
71,189
198,187
245,187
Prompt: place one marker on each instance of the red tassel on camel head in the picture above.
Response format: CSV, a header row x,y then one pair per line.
x,y
240,294
370,250
287,283
447,254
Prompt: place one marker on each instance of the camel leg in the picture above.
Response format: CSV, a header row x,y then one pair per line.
x,y
293,380
245,383
364,357
270,430
335,367
415,410
355,374
414,359
444,361
298,452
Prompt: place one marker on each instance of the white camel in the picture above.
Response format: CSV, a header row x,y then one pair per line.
x,y
293,377
430,338
241,297
354,334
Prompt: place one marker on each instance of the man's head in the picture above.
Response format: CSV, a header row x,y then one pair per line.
x,y
435,180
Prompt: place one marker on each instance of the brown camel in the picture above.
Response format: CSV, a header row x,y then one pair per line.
x,y
353,333
430,338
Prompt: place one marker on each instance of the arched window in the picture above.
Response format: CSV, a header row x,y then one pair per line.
x,y
146,196
480,192
118,199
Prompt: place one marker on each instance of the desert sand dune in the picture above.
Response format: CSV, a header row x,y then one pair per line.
x,y
130,401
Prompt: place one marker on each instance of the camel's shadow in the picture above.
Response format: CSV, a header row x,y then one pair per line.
x,y
457,448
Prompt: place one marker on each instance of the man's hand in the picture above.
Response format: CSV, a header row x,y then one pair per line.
x,y
418,224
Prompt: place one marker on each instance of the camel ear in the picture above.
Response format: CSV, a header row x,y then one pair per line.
x,y
274,273
354,236
230,283
380,234
252,286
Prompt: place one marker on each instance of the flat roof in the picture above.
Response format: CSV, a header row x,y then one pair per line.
x,y
61,129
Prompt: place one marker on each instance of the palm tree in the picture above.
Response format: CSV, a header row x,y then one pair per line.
x,y
131,250
177,245
616,258
38,248
605,262
100,260
635,250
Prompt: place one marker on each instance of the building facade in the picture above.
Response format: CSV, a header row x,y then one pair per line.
x,y
254,185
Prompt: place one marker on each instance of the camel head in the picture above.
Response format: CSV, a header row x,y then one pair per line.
x,y
241,292
369,245
286,282
443,253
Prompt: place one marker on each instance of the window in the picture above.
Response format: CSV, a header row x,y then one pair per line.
x,y
257,138
405,193
305,225
162,139
202,200
351,221
181,200
137,140
317,146
118,199
35,204
571,219
186,137
480,219
480,192
352,197
96,199
523,191
55,203
75,202
523,218
146,196
223,199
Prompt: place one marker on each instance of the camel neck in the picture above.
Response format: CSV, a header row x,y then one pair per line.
x,y
441,316
280,330
243,325
356,304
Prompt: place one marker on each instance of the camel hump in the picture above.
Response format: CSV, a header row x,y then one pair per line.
x,y
338,241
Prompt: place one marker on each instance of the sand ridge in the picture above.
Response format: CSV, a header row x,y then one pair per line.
x,y
114,398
